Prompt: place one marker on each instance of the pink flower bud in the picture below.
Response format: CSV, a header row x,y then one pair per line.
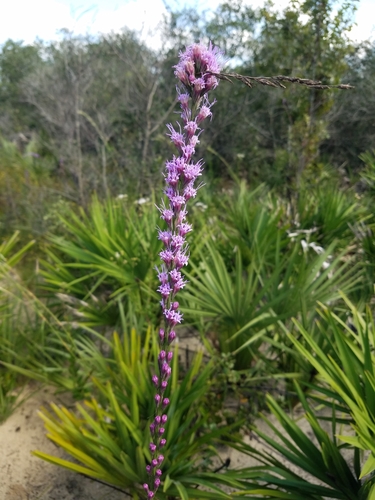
x,y
165,369
157,419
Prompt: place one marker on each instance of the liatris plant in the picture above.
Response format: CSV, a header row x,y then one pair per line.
x,y
195,72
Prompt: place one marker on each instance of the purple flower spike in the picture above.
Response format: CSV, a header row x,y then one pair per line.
x,y
197,72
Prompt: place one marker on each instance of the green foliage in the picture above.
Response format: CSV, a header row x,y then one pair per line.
x,y
295,466
243,288
331,213
16,316
16,63
97,106
109,435
24,183
368,173
105,256
350,375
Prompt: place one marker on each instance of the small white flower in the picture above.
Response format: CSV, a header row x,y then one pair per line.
x,y
142,201
304,244
201,205
318,249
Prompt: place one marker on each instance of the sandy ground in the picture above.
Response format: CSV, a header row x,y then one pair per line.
x,y
25,477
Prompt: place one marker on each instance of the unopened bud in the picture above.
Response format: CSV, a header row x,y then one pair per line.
x,y
157,419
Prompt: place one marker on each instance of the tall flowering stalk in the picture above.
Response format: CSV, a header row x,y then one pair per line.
x,y
195,71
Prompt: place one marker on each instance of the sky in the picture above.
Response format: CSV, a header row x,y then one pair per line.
x,y
28,20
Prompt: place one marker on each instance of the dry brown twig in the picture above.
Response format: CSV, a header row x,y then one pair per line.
x,y
276,81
